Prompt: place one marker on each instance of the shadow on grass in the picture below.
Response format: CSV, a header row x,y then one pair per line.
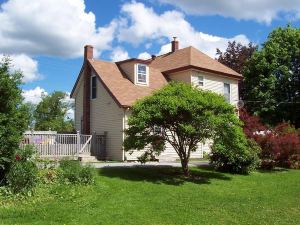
x,y
275,170
163,174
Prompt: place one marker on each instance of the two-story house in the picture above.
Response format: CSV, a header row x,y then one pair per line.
x,y
105,91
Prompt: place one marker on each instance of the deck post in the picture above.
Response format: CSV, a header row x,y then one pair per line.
x,y
78,143
104,144
93,144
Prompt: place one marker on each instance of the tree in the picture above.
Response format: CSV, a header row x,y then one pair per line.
x,y
51,113
185,116
272,78
235,57
31,109
13,115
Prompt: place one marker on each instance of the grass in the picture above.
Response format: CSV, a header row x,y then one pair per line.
x,y
152,195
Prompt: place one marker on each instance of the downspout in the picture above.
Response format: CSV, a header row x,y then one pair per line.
x,y
123,132
126,109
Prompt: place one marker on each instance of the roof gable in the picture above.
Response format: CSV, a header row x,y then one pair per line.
x,y
120,87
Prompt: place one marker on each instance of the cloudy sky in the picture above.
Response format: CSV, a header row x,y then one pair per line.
x,y
45,39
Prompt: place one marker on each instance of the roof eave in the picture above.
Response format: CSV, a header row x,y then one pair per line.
x,y
106,88
238,77
147,61
77,80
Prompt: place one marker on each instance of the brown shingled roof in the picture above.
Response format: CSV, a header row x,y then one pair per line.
x,y
125,93
120,87
191,57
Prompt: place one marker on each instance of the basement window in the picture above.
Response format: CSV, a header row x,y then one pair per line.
x,y
142,74
94,87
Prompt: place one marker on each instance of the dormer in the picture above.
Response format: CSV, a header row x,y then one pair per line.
x,y
136,70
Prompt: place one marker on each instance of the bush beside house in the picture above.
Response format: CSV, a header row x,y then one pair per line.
x,y
280,146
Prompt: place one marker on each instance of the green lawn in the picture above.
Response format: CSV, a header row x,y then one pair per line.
x,y
154,196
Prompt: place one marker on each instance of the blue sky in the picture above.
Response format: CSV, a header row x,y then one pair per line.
x,y
45,39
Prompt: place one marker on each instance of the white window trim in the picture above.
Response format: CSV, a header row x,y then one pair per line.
x,y
230,98
91,87
197,74
136,75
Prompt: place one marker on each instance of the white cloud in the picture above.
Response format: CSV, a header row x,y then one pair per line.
x,y
260,10
144,55
51,27
27,65
119,54
70,114
143,24
70,101
34,95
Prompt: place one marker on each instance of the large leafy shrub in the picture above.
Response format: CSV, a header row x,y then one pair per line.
x,y
180,115
13,116
280,146
23,174
232,152
71,171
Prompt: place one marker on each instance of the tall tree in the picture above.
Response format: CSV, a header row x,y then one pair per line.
x,y
184,116
51,113
272,78
235,57
13,115
30,109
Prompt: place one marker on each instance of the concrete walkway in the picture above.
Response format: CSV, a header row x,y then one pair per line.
x,y
148,164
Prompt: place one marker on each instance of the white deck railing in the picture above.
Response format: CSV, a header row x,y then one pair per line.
x,y
58,145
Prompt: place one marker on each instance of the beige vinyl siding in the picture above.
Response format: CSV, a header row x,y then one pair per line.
x,y
215,83
168,155
107,116
134,154
184,76
78,105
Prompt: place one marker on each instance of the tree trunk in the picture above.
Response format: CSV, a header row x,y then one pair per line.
x,y
185,166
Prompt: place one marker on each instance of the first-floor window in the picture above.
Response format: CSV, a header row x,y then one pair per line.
x,y
157,130
227,92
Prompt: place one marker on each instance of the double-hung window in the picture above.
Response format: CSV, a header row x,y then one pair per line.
x,y
227,92
200,81
94,87
141,74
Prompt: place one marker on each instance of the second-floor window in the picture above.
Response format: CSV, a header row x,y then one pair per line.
x,y
94,87
200,81
227,92
141,74
197,80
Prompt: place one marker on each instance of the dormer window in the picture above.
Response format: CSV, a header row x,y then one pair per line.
x,y
142,74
